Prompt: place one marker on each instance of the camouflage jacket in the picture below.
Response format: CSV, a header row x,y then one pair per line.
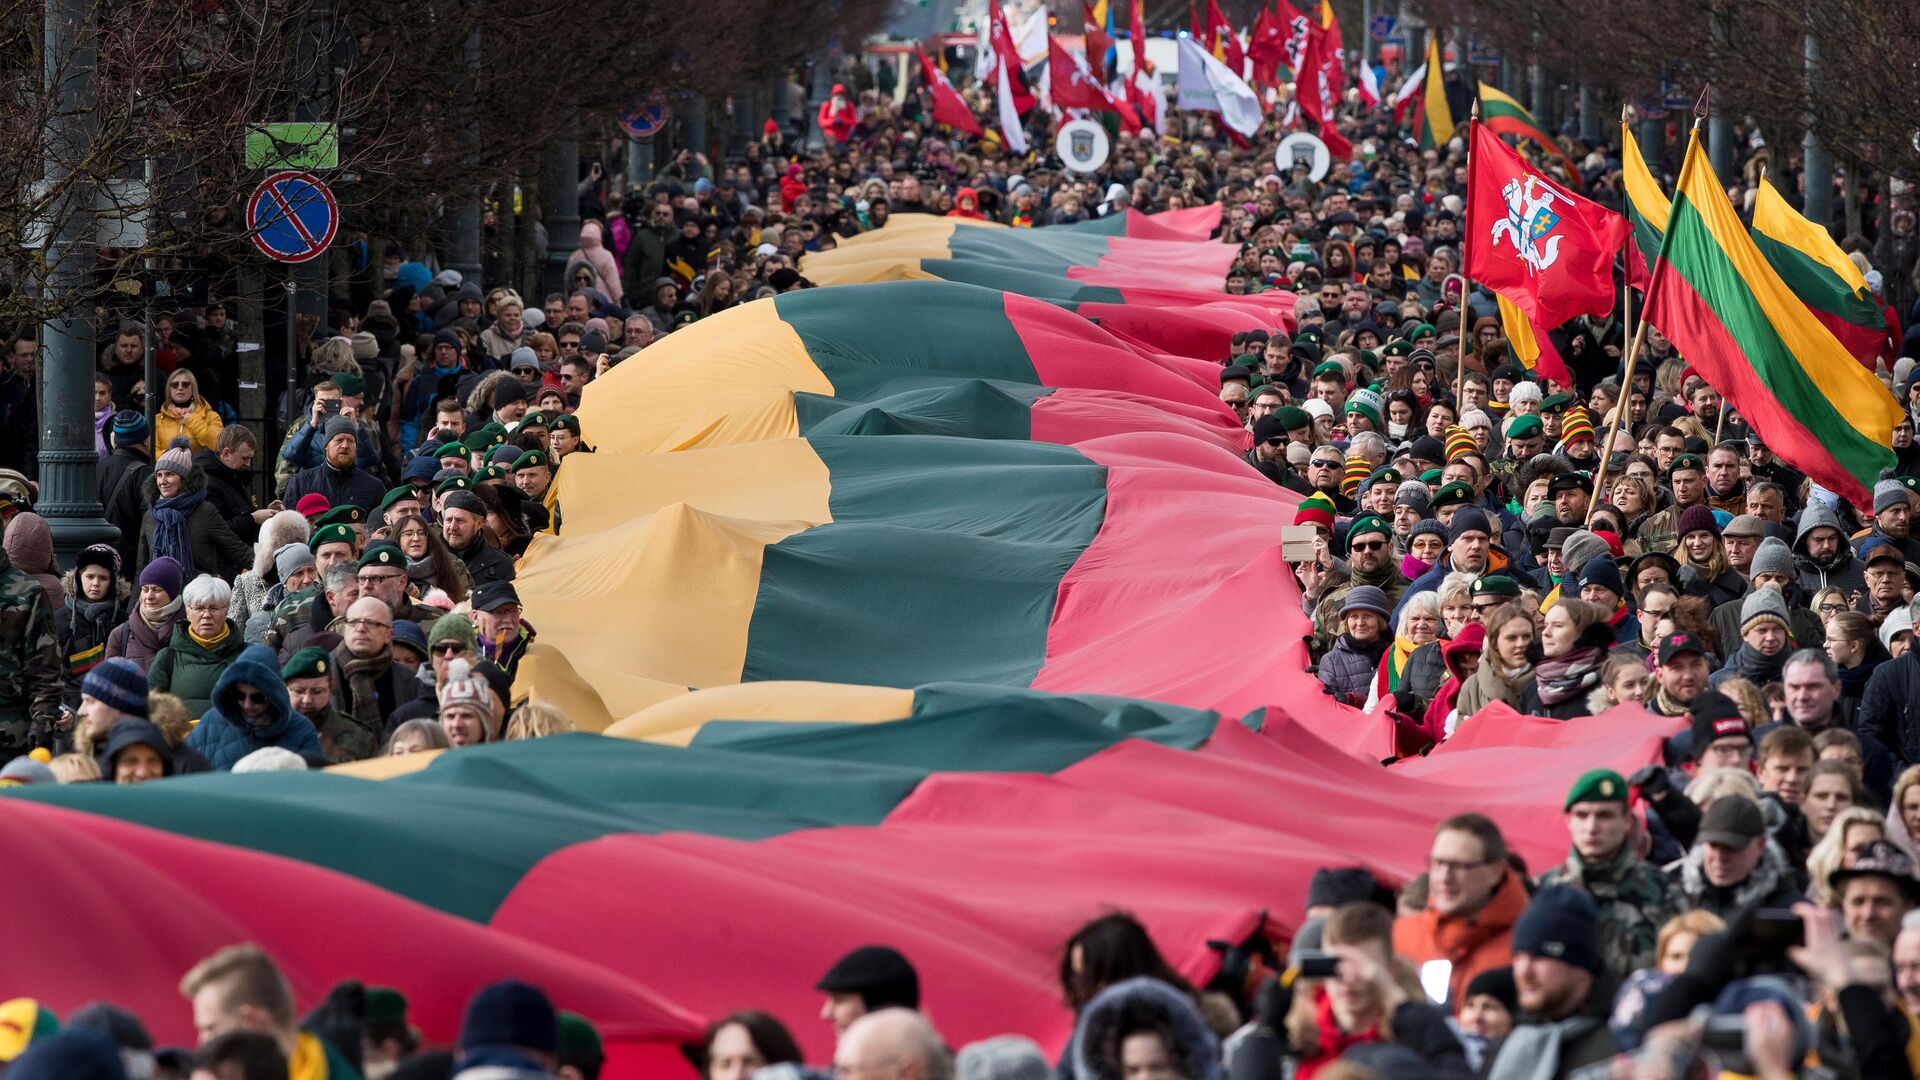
x,y
30,666
1634,897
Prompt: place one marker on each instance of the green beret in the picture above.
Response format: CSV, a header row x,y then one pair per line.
x,y
1423,330
345,514
1396,348
1685,462
384,553
404,491
1246,360
453,483
1458,493
1495,585
1307,333
491,472
1597,785
1386,474
1292,418
476,442
495,433
1911,483
308,663
452,449
1525,427
1430,477
1556,402
1368,523
332,534
532,459
1369,358
1331,367
532,419
350,384
566,421
578,1039
386,1006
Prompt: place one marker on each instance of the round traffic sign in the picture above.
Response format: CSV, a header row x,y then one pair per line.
x,y
645,119
1303,148
292,217
1083,145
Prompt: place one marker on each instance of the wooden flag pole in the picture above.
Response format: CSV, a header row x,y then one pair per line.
x,y
1466,277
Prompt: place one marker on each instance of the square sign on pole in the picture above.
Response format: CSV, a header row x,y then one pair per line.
x,y
293,146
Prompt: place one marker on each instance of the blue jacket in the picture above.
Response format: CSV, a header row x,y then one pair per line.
x,y
340,486
306,448
225,736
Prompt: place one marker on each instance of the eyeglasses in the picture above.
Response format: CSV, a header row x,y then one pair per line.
x,y
365,624
1454,866
1367,545
569,345
375,579
1832,607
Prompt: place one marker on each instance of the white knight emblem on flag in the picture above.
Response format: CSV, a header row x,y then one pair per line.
x,y
1530,218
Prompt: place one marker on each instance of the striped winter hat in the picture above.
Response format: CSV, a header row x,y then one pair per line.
x,y
1576,425
1315,509
1358,469
1459,441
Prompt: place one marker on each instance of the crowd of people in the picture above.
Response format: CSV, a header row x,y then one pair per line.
x,y
1480,532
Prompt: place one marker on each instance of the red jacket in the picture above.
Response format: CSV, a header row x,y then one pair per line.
x,y
1476,943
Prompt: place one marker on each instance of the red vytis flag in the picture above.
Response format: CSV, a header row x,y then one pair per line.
x,y
949,107
1533,241
1072,85
1097,44
1006,56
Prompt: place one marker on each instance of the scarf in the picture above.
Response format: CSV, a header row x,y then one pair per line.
x,y
1333,1040
170,529
1668,706
100,420
1413,568
1758,668
1561,679
98,615
420,570
361,673
1393,665
208,643
157,618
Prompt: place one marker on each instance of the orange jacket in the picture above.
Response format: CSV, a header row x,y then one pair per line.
x,y
1472,944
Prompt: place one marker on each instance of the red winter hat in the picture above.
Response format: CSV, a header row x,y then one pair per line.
x,y
313,505
771,128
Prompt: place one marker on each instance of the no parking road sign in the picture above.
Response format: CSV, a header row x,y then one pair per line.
x,y
292,217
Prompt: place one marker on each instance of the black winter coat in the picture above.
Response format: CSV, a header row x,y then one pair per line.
x,y
216,550
231,493
1890,707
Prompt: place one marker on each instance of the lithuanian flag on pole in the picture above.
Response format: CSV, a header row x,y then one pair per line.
x,y
1646,207
1733,317
1433,124
1808,260
1505,116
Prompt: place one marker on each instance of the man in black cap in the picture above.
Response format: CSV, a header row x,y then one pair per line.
x,y
510,1029
1876,891
1680,670
463,523
1731,865
868,979
1559,979
1269,453
502,633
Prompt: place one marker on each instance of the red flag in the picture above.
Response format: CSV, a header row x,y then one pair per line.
x,y
1316,87
1007,56
949,107
1267,48
1137,30
1296,36
1333,51
1198,31
1533,241
1222,41
1097,43
1073,86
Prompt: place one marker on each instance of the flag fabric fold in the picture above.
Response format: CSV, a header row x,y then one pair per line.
x,y
1434,124
1207,86
1534,241
1009,108
1741,326
1809,261
1531,344
1503,115
1646,208
949,107
1223,42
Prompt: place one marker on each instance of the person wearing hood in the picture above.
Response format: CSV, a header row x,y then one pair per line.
x,y
339,477
157,608
442,374
228,467
182,525
251,710
966,204
593,253
1462,658
97,600
1824,557
838,115
1142,1026
202,646
136,752
29,546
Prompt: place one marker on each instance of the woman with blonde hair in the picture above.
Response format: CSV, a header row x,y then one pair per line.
x,y
533,720
1574,639
1673,947
1506,664
1903,815
1850,832
75,768
1704,569
183,412
1623,677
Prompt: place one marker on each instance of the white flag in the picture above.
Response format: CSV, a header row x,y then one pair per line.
x,y
1208,86
1369,86
1010,128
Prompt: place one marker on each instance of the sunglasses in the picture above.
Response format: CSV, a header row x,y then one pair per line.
x,y
1276,441
448,648
1326,464
1367,545
252,697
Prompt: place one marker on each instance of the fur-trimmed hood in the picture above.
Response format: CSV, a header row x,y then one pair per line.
x,y
1121,1007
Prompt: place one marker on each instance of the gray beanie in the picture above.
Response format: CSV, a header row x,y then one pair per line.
x,y
1773,556
339,425
290,557
1580,547
1415,494
1761,605
1888,493
523,357
1003,1057
1367,598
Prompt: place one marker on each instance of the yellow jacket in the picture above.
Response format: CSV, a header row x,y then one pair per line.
x,y
201,426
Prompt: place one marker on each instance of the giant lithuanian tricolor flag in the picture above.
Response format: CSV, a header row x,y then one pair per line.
x,y
1743,328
